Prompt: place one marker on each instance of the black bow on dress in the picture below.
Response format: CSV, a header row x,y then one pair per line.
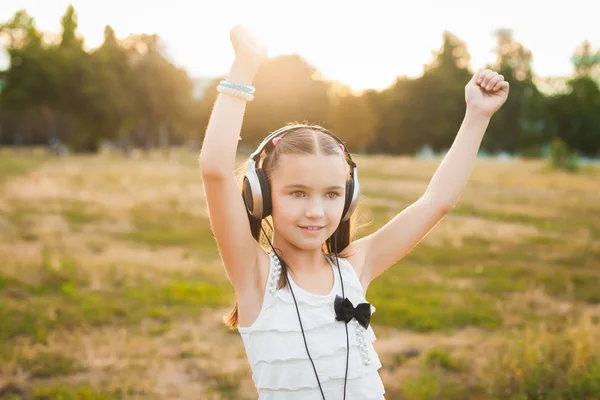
x,y
345,311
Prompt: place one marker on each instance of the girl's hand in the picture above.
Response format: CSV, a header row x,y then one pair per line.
x,y
486,92
247,49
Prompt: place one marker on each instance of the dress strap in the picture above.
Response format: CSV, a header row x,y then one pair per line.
x,y
274,273
349,273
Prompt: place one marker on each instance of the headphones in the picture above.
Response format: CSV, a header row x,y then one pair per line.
x,y
257,190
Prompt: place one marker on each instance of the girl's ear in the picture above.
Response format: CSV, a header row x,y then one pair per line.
x,y
275,140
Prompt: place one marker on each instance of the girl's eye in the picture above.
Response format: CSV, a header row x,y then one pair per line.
x,y
300,194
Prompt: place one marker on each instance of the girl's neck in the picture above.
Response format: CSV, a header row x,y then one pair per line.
x,y
300,260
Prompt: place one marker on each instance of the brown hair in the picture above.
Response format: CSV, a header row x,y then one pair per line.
x,y
300,139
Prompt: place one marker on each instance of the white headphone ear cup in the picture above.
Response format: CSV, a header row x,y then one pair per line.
x,y
265,193
247,195
251,194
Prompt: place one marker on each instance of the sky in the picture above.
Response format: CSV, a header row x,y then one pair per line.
x,y
363,44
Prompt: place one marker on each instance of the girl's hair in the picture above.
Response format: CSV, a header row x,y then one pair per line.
x,y
301,139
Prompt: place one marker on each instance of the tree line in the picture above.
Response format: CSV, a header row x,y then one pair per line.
x,y
129,93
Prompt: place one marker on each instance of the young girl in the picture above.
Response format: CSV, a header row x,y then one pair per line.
x,y
301,307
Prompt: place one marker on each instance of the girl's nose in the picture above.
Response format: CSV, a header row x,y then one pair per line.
x,y
314,208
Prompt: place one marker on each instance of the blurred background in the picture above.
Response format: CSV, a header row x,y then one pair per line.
x,y
111,286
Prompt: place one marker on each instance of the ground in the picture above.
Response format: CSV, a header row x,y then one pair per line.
x,y
111,285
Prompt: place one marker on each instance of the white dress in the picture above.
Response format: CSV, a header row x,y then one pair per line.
x,y
275,348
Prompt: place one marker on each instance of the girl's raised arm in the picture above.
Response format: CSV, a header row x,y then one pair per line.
x,y
228,218
485,93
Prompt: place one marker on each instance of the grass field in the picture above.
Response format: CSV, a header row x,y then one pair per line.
x,y
111,286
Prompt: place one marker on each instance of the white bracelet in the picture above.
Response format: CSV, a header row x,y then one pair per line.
x,y
245,88
235,92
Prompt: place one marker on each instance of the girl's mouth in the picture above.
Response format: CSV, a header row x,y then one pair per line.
x,y
311,228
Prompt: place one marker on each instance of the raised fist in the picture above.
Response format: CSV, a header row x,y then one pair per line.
x,y
486,92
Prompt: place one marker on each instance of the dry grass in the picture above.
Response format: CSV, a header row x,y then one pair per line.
x,y
110,282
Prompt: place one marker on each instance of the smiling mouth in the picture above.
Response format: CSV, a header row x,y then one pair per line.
x,y
312,227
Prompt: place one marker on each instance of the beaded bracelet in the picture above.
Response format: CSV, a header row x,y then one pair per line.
x,y
234,85
235,92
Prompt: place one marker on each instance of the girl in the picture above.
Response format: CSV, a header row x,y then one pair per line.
x,y
301,307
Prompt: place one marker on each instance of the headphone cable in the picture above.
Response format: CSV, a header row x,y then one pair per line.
x,y
300,320
346,324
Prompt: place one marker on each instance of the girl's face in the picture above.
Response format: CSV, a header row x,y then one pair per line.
x,y
308,192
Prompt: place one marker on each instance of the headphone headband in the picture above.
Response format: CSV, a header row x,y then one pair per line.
x,y
266,141
287,129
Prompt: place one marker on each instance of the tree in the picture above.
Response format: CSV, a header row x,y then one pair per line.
x,y
163,93
586,61
69,37
117,77
30,82
512,56
443,87
520,122
20,32
427,110
575,118
85,97
352,118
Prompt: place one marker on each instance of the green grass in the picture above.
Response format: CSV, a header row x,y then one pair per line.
x,y
13,164
548,365
473,251
526,219
22,220
441,358
61,393
46,364
23,217
571,217
507,278
405,301
167,228
70,307
62,299
78,213
434,383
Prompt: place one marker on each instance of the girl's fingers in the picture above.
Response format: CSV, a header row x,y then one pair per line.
x,y
477,75
489,80
493,82
482,74
485,77
500,85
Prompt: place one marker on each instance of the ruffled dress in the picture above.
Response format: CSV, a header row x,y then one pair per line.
x,y
275,348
